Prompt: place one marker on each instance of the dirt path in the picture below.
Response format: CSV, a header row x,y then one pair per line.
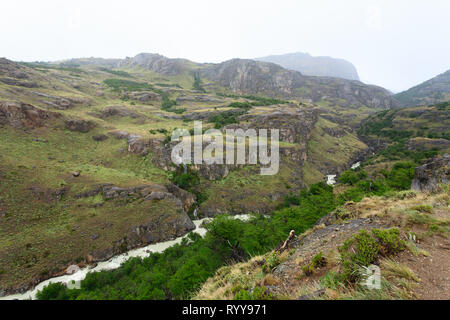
x,y
433,271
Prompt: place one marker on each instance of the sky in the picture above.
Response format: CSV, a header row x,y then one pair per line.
x,y
393,44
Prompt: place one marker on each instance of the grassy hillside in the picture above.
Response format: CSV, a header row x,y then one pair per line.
x,y
108,129
433,91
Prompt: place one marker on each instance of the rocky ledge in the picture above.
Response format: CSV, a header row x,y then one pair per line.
x,y
427,177
22,115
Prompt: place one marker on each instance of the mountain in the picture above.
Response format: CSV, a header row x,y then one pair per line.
x,y
85,151
151,61
432,91
314,66
255,77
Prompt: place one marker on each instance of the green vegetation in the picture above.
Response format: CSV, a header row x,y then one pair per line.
x,y
398,178
119,73
364,249
398,151
128,85
119,85
255,101
181,269
222,119
198,83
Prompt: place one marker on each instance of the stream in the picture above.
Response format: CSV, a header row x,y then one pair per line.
x,y
114,262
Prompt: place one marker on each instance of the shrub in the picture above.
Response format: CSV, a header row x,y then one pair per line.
x,y
271,262
308,269
364,249
423,208
319,261
198,83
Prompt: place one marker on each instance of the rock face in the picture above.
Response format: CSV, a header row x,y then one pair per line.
x,y
314,66
254,77
429,92
61,103
427,177
295,125
21,115
165,227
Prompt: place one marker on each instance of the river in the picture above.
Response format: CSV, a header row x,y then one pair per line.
x,y
114,262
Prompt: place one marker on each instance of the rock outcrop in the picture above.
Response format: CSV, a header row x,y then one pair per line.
x,y
255,77
120,111
427,177
79,125
22,115
166,227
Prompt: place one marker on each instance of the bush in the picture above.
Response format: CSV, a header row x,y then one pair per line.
x,y
364,249
271,262
423,208
351,177
319,260
308,269
198,83
222,119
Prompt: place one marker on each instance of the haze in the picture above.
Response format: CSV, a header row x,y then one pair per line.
x,y
394,44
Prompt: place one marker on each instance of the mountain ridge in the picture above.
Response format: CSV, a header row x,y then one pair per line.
x,y
314,66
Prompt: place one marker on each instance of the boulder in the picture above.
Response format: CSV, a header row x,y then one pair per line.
x,y
427,177
187,198
79,125
100,137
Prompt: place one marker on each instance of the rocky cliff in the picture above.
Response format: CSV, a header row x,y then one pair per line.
x,y
254,77
427,177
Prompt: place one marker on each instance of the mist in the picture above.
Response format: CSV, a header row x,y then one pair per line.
x,y
394,44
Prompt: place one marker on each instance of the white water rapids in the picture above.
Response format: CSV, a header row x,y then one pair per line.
x,y
331,178
114,262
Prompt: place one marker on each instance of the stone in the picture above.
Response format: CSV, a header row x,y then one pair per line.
x,y
427,177
79,125
100,137
76,174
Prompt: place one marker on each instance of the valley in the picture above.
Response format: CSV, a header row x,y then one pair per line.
x,y
86,173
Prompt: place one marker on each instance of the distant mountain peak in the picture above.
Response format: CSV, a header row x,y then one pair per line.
x,y
314,66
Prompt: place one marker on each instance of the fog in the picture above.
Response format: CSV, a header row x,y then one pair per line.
x,y
394,44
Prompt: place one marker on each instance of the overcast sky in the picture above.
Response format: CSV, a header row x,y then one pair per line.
x,y
395,44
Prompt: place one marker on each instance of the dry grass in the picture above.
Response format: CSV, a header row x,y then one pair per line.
x,y
391,268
